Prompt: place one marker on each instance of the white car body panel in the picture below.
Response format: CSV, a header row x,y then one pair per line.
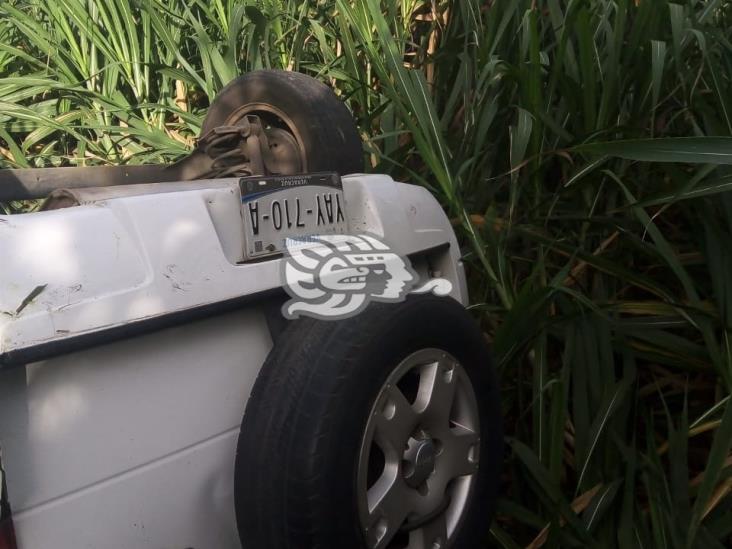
x,y
130,443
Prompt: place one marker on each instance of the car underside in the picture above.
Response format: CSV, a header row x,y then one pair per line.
x,y
141,320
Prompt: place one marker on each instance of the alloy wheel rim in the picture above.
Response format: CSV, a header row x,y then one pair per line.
x,y
419,455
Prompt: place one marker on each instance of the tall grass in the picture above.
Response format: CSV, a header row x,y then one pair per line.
x,y
582,150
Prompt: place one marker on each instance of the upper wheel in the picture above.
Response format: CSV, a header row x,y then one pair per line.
x,y
380,431
299,112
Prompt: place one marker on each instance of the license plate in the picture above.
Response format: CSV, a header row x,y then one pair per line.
x,y
276,208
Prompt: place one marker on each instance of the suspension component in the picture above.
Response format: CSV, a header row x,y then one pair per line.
x,y
243,149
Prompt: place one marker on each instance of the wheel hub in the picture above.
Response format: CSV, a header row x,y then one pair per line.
x,y
249,145
419,461
419,454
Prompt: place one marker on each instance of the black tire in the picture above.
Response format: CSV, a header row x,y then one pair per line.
x,y
323,125
299,442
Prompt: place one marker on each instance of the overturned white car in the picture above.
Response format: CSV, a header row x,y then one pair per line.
x,y
172,376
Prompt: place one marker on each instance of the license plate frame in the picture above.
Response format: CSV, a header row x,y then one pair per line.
x,y
275,208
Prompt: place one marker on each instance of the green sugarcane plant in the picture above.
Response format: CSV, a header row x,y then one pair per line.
x,y
582,149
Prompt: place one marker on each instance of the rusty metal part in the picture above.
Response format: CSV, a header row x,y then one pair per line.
x,y
66,198
280,129
34,183
242,149
283,155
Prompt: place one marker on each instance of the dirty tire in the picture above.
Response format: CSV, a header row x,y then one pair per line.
x,y
297,455
325,126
